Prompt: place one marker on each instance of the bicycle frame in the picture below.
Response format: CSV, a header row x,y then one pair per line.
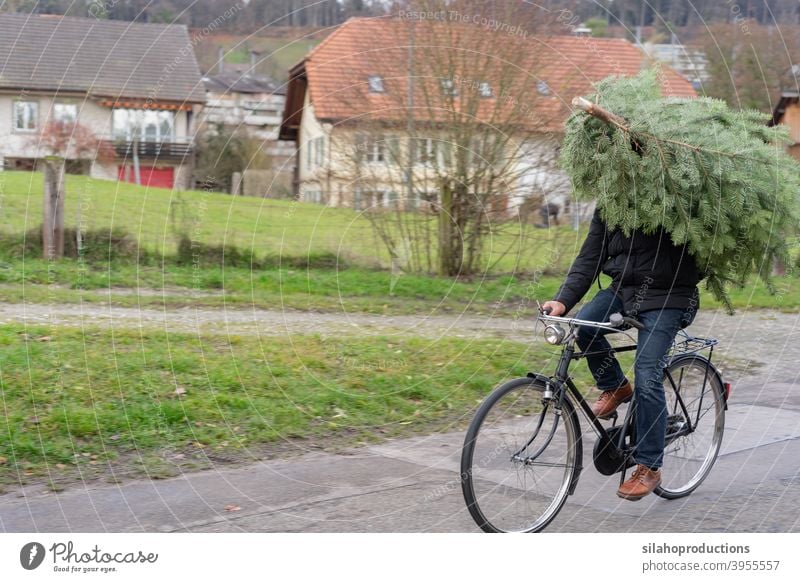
x,y
564,387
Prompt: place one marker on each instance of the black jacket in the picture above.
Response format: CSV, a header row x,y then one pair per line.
x,y
647,270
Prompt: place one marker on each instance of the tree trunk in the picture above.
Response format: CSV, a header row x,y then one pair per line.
x,y
451,234
446,232
53,220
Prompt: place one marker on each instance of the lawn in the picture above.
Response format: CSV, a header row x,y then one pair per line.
x,y
157,218
325,290
95,403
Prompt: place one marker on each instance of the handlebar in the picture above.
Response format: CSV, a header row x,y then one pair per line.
x,y
616,320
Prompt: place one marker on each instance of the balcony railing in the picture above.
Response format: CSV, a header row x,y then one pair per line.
x,y
163,150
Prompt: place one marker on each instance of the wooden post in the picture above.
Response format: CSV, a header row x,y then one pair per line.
x,y
53,223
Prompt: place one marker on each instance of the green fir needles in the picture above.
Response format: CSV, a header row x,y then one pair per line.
x,y
714,178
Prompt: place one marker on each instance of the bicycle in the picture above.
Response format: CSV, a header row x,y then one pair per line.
x,y
523,451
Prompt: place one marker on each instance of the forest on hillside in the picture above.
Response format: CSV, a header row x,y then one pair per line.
x,y
254,14
751,47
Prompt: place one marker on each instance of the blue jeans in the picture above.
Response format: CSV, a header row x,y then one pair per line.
x,y
660,328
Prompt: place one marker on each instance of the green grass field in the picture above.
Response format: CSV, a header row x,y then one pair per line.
x,y
287,231
90,399
95,403
278,55
157,217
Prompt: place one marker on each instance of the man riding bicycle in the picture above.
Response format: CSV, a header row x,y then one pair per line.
x,y
654,281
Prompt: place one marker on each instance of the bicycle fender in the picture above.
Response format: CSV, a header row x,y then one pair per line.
x,y
541,377
716,373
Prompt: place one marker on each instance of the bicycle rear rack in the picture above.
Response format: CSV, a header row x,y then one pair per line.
x,y
687,344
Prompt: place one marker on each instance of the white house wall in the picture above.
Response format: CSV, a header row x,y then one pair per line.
x,y
90,114
312,177
337,179
538,173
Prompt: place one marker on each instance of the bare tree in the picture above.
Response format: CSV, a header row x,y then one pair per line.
x,y
57,143
456,123
751,64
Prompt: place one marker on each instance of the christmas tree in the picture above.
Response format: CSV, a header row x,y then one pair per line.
x,y
717,179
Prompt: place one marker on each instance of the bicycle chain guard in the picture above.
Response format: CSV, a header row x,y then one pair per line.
x,y
608,459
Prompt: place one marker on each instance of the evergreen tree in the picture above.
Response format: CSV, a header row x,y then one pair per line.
x,y
716,179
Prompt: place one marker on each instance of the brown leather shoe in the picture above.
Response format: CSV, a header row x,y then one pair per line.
x,y
641,483
610,400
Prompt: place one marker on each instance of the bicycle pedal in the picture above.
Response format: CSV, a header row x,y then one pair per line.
x,y
613,417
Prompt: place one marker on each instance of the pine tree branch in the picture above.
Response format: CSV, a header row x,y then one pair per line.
x,y
595,110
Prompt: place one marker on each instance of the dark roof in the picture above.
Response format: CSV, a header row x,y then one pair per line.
x,y
242,82
787,98
104,58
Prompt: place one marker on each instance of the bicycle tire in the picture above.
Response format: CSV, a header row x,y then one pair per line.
x,y
504,493
688,458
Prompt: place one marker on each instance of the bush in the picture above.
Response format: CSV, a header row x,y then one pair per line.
x,y
99,245
119,246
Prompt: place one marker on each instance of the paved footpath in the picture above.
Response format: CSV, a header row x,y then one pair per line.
x,y
411,485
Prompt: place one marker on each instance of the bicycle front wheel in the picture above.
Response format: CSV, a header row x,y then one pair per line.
x,y
695,424
520,458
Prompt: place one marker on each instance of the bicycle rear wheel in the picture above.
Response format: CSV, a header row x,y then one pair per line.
x,y
520,459
690,454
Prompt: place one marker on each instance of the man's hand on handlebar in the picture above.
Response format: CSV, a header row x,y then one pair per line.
x,y
554,308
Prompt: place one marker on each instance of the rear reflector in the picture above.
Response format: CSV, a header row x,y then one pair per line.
x,y
727,390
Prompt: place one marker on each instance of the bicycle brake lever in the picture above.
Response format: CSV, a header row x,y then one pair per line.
x,y
633,322
618,320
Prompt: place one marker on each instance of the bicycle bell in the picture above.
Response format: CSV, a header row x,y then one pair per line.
x,y
554,334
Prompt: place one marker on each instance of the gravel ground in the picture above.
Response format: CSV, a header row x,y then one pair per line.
x,y
755,339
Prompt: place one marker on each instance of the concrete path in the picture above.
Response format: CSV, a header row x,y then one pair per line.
x,y
411,485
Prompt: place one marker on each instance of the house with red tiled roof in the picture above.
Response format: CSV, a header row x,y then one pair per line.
x,y
392,93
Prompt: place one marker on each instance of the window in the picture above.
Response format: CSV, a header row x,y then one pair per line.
x,y
315,152
485,89
543,88
372,200
320,154
65,112
376,84
146,124
375,151
371,148
392,148
487,149
425,151
26,115
449,88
